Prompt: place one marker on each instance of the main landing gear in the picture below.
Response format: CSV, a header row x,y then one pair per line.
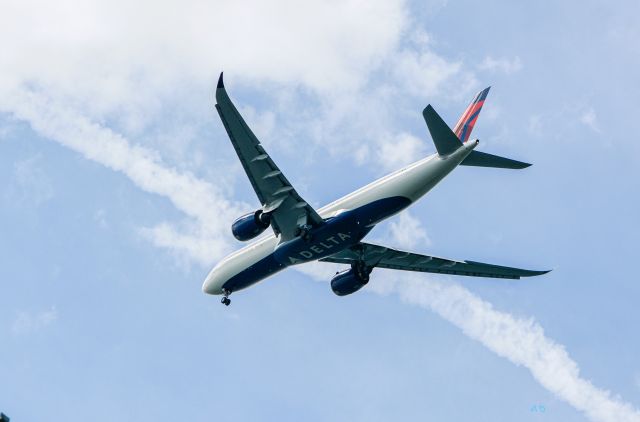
x,y
362,271
303,232
225,300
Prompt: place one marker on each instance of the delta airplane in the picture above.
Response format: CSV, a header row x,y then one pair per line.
x,y
334,232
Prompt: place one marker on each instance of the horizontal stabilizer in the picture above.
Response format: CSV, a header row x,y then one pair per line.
x,y
443,137
482,159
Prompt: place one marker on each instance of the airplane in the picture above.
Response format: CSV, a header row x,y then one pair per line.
x,y
335,232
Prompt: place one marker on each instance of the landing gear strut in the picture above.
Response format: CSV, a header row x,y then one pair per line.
x,y
225,300
362,271
303,232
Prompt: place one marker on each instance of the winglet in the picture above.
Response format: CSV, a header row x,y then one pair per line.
x,y
220,81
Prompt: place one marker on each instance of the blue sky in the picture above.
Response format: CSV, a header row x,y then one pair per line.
x,y
118,186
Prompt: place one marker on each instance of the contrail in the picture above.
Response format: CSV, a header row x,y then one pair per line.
x,y
520,340
207,235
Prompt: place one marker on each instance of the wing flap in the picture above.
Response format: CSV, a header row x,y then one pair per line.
x,y
383,257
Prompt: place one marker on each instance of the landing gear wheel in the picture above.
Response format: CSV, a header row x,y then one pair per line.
x,y
225,300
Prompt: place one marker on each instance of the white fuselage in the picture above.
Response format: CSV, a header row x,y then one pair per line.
x,y
410,182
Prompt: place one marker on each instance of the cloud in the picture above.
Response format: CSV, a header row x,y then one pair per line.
x,y
425,73
406,231
105,74
204,203
27,322
589,119
127,67
505,65
100,217
31,185
106,56
520,340
401,150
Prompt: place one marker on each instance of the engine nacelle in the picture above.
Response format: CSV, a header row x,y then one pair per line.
x,y
250,225
349,281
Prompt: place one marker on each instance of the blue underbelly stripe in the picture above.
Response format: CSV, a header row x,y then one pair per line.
x,y
366,216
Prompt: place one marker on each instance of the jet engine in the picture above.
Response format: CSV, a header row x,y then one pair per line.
x,y
350,281
250,225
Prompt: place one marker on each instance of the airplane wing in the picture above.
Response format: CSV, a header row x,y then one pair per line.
x,y
382,257
288,210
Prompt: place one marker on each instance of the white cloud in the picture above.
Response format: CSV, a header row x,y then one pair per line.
x,y
95,75
406,231
27,322
31,185
426,74
505,65
100,217
589,119
521,340
203,202
400,150
109,56
131,64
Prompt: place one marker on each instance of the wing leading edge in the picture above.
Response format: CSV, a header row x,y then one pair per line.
x,y
278,197
383,257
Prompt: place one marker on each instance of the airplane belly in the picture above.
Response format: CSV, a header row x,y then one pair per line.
x,y
254,273
339,232
265,257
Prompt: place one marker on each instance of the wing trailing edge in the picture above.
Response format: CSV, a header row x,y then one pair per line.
x,y
383,257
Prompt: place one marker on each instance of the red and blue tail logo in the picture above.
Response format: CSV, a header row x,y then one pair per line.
x,y
468,119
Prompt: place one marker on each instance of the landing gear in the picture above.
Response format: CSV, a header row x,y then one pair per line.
x,y
362,271
225,300
303,232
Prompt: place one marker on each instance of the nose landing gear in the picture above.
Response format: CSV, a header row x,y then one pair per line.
x,y
225,300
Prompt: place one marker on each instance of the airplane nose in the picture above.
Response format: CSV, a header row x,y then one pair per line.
x,y
213,283
208,286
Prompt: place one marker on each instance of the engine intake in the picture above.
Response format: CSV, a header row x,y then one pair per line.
x,y
350,281
250,225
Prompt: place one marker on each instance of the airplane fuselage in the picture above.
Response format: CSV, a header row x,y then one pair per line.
x,y
347,221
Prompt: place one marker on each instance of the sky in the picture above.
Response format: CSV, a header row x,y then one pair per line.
x,y
118,186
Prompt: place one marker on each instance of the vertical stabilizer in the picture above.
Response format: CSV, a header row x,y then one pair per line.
x,y
468,119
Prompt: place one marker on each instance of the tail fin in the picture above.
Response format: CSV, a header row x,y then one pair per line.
x,y
448,141
468,119
445,140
